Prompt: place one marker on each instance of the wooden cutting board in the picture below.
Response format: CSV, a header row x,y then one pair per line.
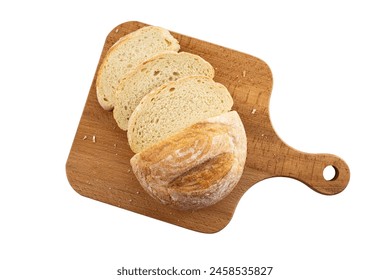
x,y
98,165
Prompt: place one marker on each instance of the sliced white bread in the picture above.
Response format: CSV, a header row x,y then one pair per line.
x,y
158,70
126,54
196,167
175,106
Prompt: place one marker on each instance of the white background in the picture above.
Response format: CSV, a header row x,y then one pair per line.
x,y
330,64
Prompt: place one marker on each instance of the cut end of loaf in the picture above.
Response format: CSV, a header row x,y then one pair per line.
x,y
175,106
196,167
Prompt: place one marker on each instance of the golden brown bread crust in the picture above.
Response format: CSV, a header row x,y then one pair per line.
x,y
196,167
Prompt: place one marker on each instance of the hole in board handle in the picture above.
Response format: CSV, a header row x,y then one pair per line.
x,y
330,173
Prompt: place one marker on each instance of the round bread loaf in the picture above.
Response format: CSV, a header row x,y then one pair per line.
x,y
196,167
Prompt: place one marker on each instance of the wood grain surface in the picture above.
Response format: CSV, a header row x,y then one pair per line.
x,y
98,165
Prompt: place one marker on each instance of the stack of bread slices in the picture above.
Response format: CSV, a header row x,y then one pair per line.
x,y
190,147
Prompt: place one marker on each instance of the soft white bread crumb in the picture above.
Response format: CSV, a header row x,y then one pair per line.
x,y
126,54
158,70
175,106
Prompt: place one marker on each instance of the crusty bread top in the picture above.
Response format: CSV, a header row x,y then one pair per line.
x,y
174,106
158,70
197,166
126,54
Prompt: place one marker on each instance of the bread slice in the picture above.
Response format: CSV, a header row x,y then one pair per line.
x,y
174,106
196,167
126,54
151,74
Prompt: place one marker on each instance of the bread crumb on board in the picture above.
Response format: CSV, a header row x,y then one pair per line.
x,y
244,73
253,111
93,138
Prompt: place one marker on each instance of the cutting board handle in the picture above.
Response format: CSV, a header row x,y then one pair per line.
x,y
270,156
309,169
